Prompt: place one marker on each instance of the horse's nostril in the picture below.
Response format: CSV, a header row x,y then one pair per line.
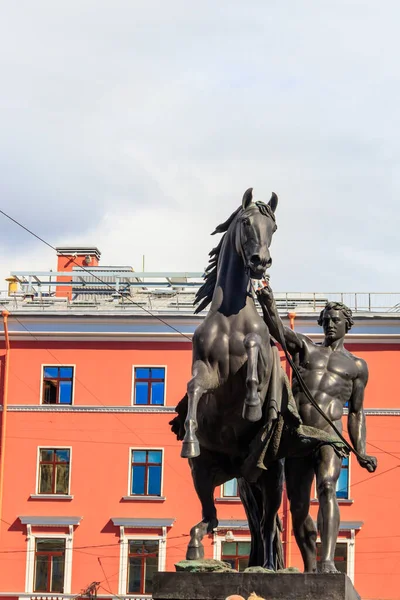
x,y
255,259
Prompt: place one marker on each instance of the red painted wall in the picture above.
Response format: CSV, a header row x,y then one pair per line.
x,y
100,457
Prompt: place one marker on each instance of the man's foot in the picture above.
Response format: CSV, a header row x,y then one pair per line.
x,y
328,566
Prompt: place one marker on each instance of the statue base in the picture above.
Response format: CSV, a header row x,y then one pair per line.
x,y
271,586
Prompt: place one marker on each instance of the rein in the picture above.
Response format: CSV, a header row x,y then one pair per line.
x,y
307,392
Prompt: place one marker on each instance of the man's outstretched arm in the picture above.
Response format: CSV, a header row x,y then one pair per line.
x,y
356,421
274,323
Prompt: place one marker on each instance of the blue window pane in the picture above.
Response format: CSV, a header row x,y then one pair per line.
x,y
141,392
66,372
154,456
139,456
230,488
50,372
342,486
154,483
138,477
157,393
158,373
62,456
65,396
142,373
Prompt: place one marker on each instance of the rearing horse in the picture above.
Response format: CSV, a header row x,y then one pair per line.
x,y
232,332
232,366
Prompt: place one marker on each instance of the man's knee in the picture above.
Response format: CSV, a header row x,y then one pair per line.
x,y
327,489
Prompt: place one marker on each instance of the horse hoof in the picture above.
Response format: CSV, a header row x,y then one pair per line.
x,y
195,552
190,449
252,413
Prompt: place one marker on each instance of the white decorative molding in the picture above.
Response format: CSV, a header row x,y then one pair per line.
x,y
88,409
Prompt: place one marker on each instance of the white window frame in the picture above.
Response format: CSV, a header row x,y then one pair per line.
x,y
150,448
37,493
73,382
30,558
147,366
219,538
123,564
237,497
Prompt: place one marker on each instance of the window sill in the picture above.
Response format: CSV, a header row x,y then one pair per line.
x,y
228,499
143,498
56,404
51,497
340,500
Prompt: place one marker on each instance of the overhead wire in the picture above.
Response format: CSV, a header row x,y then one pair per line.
x,y
92,274
168,325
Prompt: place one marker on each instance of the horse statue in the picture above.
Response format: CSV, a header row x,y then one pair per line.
x,y
232,369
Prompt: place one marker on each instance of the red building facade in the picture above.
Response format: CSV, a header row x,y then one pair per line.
x,y
93,488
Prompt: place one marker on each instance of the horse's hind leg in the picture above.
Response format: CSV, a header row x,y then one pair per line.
x,y
252,410
204,482
271,484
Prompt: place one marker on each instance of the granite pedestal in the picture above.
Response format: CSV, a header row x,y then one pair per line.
x,y
271,586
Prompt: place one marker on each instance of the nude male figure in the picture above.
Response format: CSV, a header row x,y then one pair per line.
x,y
334,377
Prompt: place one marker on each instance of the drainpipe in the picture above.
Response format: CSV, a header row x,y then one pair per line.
x,y
286,506
5,314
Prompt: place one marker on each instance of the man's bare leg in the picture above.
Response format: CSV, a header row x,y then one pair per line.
x,y
328,467
299,473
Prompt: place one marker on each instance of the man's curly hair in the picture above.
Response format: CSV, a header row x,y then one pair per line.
x,y
347,312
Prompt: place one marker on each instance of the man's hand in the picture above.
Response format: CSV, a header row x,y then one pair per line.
x,y
265,296
368,462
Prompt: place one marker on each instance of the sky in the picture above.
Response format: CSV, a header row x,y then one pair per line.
x,y
136,126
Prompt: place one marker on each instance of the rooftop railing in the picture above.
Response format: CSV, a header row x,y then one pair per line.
x,y
105,287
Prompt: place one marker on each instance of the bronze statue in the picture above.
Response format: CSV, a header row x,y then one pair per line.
x,y
336,378
233,364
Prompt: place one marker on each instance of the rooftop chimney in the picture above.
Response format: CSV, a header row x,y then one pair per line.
x,y
70,257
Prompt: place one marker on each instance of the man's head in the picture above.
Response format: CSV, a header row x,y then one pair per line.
x,y
336,320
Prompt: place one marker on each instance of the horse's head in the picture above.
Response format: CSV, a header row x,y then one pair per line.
x,y
256,226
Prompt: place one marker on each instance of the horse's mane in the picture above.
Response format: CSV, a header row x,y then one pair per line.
x,y
205,293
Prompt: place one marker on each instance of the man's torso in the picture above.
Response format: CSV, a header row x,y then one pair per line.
x,y
329,375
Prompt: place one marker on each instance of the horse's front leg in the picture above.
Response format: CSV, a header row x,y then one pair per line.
x,y
252,410
200,383
203,475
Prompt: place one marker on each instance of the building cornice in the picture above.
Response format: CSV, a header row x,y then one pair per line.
x,y
55,408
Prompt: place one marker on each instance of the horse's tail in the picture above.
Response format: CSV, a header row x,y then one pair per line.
x,y
178,422
251,497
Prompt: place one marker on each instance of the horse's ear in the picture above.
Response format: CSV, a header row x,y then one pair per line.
x,y
247,198
273,203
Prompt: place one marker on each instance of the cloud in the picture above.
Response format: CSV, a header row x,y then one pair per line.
x,y
137,127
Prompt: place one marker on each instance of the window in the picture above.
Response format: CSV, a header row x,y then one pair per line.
x,y
149,385
146,469
236,554
54,471
342,486
57,385
142,564
230,489
340,556
49,565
